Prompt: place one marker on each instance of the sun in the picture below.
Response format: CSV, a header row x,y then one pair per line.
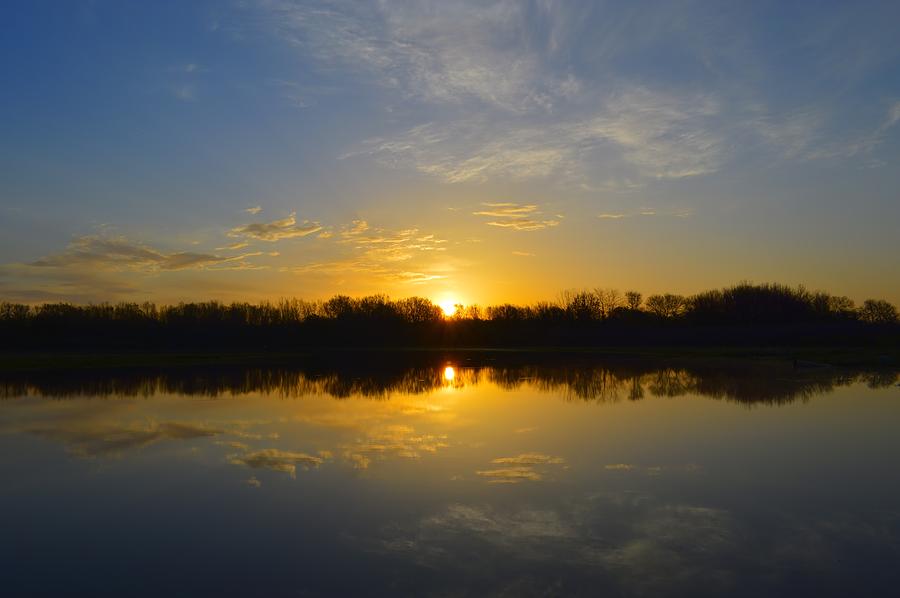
x,y
448,306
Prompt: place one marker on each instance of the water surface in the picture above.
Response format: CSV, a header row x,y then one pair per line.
x,y
448,478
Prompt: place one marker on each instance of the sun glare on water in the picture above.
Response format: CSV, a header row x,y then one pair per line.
x,y
449,373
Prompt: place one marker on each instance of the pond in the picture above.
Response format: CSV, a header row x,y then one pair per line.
x,y
448,477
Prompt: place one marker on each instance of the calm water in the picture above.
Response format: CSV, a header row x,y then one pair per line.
x,y
447,479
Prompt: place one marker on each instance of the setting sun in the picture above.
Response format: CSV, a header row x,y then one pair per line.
x,y
448,306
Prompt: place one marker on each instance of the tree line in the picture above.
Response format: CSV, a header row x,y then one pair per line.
x,y
741,314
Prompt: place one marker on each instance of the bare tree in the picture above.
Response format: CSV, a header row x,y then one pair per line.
x,y
607,301
633,300
878,311
666,306
580,305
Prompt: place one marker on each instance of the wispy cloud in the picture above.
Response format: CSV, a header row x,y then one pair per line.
x,y
808,133
531,113
119,253
646,212
515,216
276,230
445,52
253,210
186,92
399,256
649,133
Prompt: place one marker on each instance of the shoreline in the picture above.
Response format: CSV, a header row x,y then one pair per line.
x,y
803,357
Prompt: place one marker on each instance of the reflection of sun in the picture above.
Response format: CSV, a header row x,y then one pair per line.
x,y
449,373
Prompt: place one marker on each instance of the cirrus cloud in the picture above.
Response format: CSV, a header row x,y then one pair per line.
x,y
276,230
520,217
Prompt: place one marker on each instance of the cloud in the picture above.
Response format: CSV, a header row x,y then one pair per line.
x,y
253,210
253,482
357,227
536,90
646,133
22,282
809,133
507,210
276,230
661,134
619,467
676,213
403,256
524,225
441,52
185,92
515,216
523,254
119,253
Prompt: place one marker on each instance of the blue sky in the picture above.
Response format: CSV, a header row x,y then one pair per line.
x,y
458,150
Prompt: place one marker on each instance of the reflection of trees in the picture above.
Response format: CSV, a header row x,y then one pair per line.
x,y
598,383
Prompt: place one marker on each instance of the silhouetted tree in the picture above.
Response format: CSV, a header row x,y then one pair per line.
x,y
581,305
878,311
765,313
633,300
607,301
666,306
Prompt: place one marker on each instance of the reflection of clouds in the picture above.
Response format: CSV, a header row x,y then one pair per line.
x,y
654,470
616,544
252,481
673,549
393,440
529,459
626,544
510,475
523,524
276,460
233,444
89,439
522,468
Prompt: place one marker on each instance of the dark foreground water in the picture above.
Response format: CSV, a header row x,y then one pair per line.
x,y
616,480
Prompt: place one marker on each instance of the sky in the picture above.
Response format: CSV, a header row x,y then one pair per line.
x,y
473,152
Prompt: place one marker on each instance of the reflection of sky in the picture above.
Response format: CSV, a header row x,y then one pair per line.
x,y
511,489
